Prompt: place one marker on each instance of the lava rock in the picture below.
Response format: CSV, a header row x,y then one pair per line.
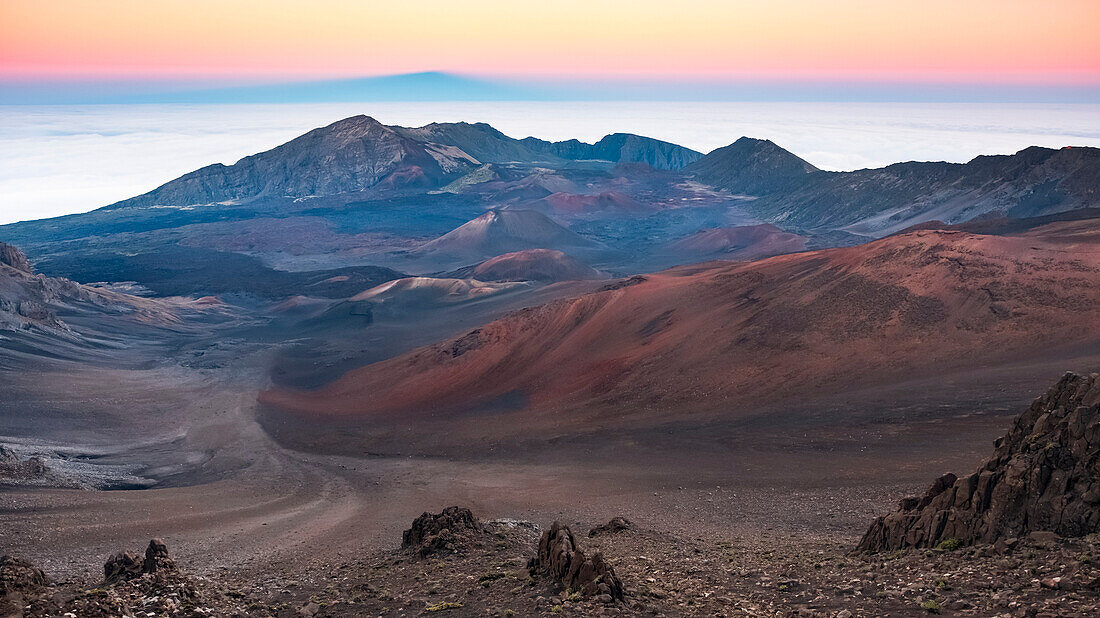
x,y
1042,477
156,558
617,524
19,582
121,567
561,558
431,534
126,565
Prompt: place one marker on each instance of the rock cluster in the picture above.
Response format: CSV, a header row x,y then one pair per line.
x,y
1043,476
444,532
127,565
616,524
19,575
561,558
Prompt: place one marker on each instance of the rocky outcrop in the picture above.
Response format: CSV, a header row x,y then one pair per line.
x,y
561,558
156,558
440,533
127,565
15,258
1043,476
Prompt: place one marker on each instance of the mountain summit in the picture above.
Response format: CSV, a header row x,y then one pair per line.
x,y
751,166
350,155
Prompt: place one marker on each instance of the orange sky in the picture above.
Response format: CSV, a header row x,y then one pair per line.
x,y
1016,41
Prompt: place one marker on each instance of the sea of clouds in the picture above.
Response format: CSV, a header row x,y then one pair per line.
x,y
57,160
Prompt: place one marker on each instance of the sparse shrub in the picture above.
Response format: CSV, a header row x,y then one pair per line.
x,y
556,609
444,606
491,576
950,544
930,606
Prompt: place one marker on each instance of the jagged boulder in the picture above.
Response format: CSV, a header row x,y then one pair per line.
x,y
561,558
122,566
156,558
1043,476
126,565
443,532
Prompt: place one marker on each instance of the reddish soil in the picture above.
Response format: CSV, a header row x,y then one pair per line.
x,y
727,337
531,265
746,242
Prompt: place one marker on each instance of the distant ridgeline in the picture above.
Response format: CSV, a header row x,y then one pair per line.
x,y
359,154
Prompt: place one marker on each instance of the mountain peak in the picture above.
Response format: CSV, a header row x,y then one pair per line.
x,y
752,166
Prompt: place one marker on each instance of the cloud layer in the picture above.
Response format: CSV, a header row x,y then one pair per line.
x,y
58,160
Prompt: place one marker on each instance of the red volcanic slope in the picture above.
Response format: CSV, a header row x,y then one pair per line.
x,y
722,336
742,242
530,265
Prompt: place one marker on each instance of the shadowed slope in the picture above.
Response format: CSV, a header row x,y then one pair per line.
x,y
1033,182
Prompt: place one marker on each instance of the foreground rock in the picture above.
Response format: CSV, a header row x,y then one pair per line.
x,y
448,531
560,557
1042,477
19,579
763,574
128,565
132,586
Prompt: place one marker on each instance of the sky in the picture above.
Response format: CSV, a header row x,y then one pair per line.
x,y
1036,42
917,79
